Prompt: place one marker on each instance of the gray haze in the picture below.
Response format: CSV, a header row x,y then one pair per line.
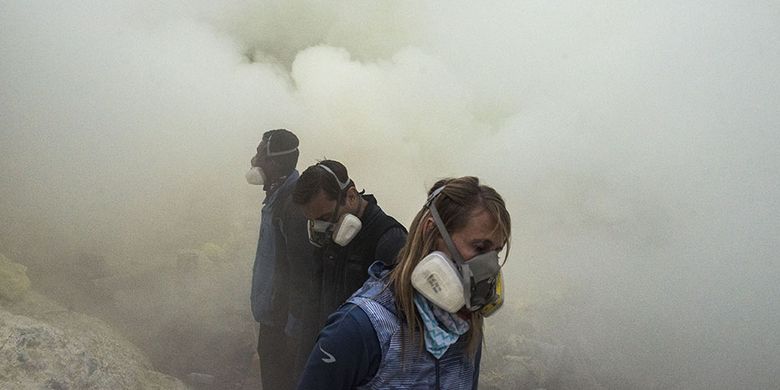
x,y
636,144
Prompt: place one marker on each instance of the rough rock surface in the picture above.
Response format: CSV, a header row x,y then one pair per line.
x,y
45,346
13,279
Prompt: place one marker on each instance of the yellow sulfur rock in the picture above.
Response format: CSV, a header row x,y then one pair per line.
x,y
13,279
213,251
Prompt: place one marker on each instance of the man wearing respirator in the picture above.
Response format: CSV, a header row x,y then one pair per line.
x,y
349,228
419,324
284,257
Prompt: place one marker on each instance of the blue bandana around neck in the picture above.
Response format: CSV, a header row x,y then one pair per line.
x,y
442,328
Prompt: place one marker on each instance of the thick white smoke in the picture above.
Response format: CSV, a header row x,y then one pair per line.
x,y
635,142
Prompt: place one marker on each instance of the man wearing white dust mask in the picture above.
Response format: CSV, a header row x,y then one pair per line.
x,y
419,324
350,229
283,259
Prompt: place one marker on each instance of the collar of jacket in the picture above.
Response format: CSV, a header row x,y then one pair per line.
x,y
280,186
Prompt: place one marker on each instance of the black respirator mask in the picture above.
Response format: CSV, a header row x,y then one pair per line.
x,y
454,283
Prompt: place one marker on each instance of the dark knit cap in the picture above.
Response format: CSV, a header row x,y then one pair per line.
x,y
281,141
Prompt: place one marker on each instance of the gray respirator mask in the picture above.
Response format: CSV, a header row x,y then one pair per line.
x,y
340,231
454,283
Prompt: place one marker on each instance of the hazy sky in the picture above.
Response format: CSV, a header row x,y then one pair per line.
x,y
636,142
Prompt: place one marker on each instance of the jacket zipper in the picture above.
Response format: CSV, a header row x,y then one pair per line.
x,y
437,375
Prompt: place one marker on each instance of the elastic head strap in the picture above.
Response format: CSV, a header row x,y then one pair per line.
x,y
445,235
465,271
433,196
269,153
342,184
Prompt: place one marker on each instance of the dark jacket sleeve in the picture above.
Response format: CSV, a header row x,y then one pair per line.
x,y
347,353
303,289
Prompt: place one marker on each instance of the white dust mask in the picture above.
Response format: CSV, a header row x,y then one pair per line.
x,y
255,176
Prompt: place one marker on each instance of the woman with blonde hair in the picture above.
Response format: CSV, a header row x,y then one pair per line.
x,y
419,324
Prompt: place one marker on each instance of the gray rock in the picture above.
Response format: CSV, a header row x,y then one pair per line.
x,y
14,282
66,350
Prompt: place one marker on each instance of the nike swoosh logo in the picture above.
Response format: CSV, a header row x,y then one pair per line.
x,y
329,358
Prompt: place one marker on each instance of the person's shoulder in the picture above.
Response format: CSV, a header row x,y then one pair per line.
x,y
286,207
350,329
388,221
389,243
395,230
349,318
383,221
346,354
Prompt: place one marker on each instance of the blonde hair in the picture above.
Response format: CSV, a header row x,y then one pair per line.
x,y
457,202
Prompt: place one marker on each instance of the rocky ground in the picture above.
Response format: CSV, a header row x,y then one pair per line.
x,y
183,316
43,345
182,320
